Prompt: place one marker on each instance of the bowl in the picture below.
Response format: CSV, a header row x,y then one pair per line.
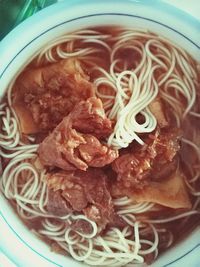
x,y
19,47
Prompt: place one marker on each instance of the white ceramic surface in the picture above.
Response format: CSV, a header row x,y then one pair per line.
x,y
22,44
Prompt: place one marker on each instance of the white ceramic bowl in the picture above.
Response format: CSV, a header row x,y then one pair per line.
x,y
22,44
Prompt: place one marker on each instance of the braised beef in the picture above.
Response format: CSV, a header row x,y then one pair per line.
x,y
84,191
68,149
136,165
43,96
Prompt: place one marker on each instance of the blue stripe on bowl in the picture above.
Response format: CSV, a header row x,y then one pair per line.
x,y
43,33
181,257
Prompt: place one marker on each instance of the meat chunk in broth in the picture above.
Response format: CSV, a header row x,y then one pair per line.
x,y
69,148
150,173
84,191
43,96
134,166
171,192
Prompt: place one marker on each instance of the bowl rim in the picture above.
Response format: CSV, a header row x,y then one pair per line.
x,y
45,11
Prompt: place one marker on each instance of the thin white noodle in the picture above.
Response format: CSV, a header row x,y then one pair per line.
x,y
174,218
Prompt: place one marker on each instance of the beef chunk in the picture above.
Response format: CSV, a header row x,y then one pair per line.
x,y
84,191
135,166
68,149
43,96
